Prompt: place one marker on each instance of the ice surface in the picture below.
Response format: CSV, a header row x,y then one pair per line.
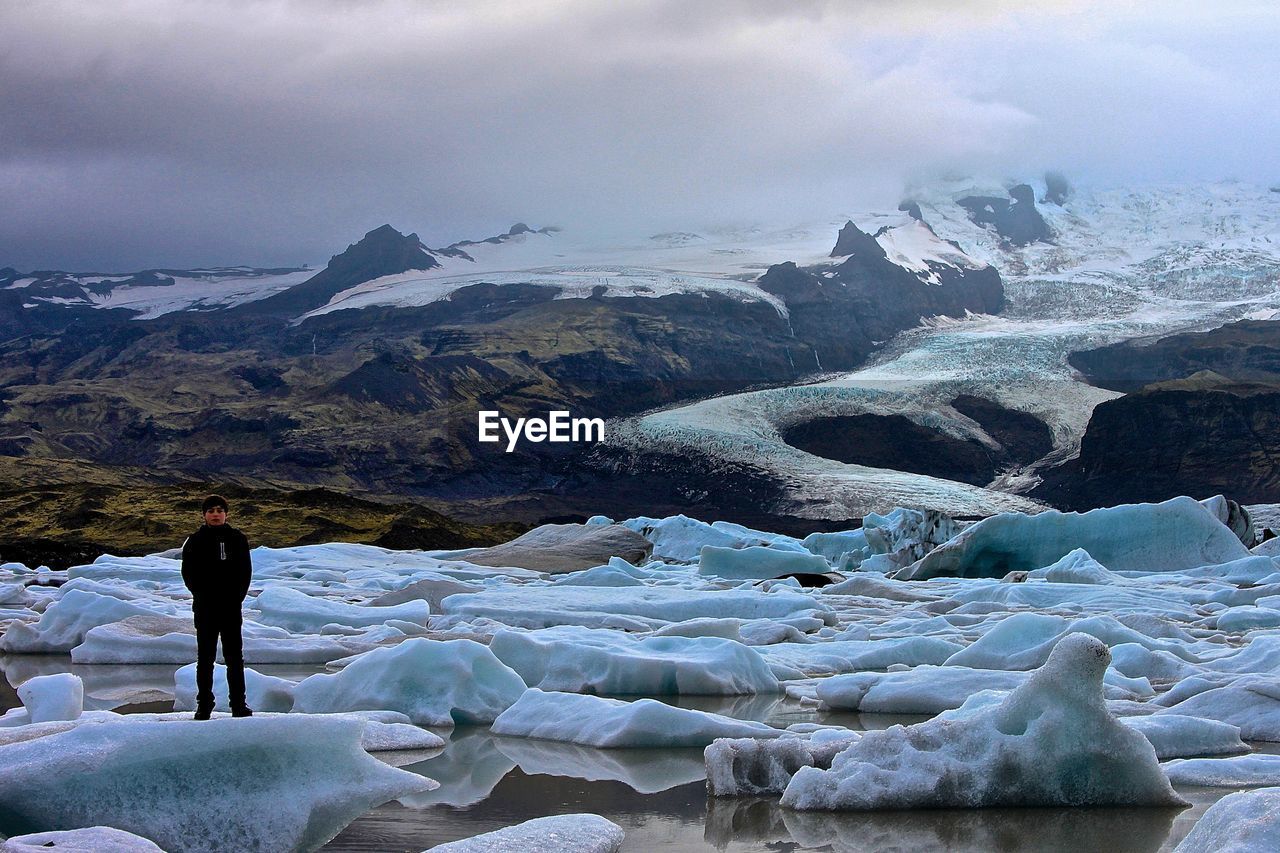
x,y
1176,534
742,767
52,697
572,833
256,784
638,608
302,613
1176,736
581,660
757,563
611,723
1244,822
1246,771
838,656
1050,742
93,839
1252,704
171,639
65,622
436,683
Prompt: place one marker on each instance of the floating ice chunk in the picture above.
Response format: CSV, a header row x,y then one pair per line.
x,y
435,683
571,833
580,660
296,611
559,548
14,594
631,608
171,639
1137,661
1076,567
1244,822
1176,736
1246,771
611,723
609,575
1248,619
758,563
94,839
871,586
703,627
848,547
269,783
839,656
741,767
64,623
924,690
1050,742
769,632
262,692
1176,534
1252,704
1261,654
1025,640
52,697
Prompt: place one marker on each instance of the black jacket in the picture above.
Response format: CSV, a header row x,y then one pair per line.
x,y
216,566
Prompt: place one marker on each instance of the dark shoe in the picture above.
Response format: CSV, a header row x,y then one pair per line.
x,y
242,711
203,712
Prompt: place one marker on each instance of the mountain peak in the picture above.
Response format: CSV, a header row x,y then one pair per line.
x,y
852,240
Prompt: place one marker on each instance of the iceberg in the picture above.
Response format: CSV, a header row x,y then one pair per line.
x,y
758,562
611,723
93,839
433,682
1177,534
581,660
256,784
571,833
1246,771
1051,742
301,613
1244,822
1251,703
750,767
628,608
52,697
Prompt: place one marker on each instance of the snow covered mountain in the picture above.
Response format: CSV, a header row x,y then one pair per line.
x,y
1118,264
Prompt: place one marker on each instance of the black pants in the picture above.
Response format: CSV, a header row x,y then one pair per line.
x,y
211,623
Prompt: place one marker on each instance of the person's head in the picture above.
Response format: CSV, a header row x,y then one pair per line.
x,y
215,510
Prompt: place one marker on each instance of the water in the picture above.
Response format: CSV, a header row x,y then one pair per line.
x,y
657,796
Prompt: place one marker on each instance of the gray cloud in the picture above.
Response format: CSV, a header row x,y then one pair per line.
x,y
157,132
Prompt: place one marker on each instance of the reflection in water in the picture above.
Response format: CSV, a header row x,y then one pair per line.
x,y
757,707
982,830
468,769
646,771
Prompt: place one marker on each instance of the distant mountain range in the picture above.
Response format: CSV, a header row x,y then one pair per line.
x,y
365,376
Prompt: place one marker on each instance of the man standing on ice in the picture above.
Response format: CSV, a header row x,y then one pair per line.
x,y
216,568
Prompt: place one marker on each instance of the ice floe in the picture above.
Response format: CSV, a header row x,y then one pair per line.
x,y
582,660
435,683
611,723
204,785
1050,742
573,833
1244,822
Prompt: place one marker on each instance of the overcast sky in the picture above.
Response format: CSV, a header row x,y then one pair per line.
x,y
142,133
